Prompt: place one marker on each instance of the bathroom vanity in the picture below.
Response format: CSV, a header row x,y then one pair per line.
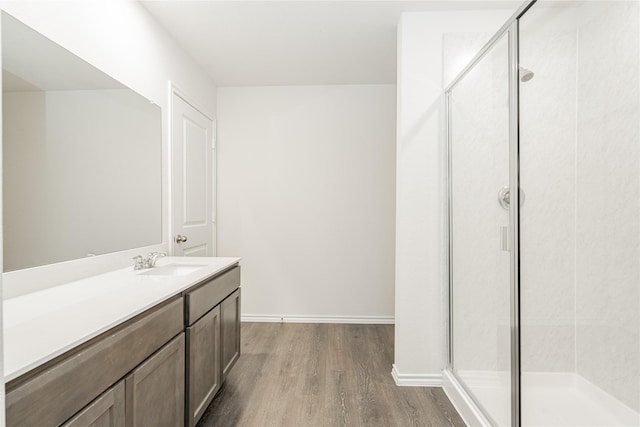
x,y
128,347
124,348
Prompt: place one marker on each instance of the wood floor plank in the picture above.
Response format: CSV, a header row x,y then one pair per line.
x,y
322,375
341,391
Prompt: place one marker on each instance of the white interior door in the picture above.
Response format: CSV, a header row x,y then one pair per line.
x,y
193,165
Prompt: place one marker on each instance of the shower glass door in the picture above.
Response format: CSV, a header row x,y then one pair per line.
x,y
480,343
545,295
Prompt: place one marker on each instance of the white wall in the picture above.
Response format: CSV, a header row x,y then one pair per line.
x,y
420,247
120,38
306,196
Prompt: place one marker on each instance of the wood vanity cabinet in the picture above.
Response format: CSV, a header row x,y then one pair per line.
x,y
75,382
161,368
211,317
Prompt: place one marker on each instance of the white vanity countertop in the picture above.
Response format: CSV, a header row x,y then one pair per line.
x,y
43,325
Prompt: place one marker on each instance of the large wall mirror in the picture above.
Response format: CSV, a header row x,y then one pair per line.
x,y
81,156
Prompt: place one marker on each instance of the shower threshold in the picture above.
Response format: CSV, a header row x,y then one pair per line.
x,y
548,399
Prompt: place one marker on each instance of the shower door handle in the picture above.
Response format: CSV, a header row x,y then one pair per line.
x,y
504,197
504,239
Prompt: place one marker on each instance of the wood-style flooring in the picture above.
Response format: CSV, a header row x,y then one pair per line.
x,y
322,375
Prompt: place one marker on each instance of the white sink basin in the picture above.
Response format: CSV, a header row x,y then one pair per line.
x,y
174,269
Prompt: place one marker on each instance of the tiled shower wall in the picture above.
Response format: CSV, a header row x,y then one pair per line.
x,y
580,226
608,199
547,161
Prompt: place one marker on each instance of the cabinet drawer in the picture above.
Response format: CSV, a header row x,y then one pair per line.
x,y
201,300
67,385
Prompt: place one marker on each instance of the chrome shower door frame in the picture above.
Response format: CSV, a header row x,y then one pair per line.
x,y
511,28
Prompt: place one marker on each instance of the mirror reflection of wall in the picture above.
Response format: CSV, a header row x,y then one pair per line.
x,y
81,156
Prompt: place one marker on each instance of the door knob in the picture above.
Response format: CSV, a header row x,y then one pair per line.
x,y
181,239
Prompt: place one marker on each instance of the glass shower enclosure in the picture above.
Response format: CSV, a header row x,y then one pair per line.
x,y
544,282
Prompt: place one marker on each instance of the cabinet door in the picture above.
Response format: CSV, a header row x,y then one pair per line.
x,y
203,367
155,389
230,331
106,411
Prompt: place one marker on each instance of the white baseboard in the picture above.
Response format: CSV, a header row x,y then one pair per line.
x,y
285,318
416,380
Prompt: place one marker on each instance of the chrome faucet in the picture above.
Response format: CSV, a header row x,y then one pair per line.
x,y
152,258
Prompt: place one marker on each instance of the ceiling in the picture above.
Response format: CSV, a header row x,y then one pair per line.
x,y
263,43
